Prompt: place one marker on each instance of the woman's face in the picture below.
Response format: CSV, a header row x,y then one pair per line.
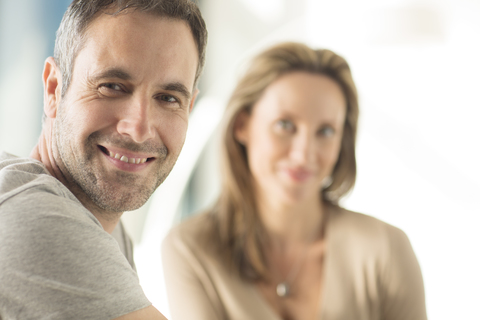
x,y
293,136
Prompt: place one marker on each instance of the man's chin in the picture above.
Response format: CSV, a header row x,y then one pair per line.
x,y
116,200
120,205
119,191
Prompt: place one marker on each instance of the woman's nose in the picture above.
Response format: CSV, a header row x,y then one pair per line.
x,y
303,148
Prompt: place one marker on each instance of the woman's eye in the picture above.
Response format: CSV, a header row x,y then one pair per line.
x,y
285,125
327,131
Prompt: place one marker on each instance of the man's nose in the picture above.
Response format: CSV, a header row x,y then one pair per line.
x,y
303,148
136,121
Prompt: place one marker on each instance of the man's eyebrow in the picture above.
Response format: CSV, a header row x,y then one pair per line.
x,y
122,74
112,73
178,87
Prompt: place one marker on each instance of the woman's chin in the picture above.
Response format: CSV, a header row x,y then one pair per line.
x,y
294,196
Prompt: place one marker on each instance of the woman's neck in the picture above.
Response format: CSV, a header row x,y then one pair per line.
x,y
291,224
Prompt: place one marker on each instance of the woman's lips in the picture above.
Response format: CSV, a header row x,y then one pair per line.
x,y
299,175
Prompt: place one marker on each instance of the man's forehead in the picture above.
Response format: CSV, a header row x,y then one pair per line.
x,y
139,44
133,22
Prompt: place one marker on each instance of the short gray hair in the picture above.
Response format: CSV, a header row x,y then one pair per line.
x,y
71,33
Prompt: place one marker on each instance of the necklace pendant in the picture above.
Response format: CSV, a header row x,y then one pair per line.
x,y
283,290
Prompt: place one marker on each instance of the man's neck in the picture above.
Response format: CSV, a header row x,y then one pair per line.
x,y
108,220
43,153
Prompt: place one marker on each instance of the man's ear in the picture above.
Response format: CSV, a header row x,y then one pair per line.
x,y
240,127
52,88
192,102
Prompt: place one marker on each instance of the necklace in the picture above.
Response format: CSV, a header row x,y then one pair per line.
x,y
283,288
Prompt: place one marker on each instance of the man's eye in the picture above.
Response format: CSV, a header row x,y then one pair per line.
x,y
168,98
111,86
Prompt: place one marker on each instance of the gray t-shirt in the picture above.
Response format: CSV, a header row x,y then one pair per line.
x,y
56,261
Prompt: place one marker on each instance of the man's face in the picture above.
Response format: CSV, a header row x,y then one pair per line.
x,y
122,123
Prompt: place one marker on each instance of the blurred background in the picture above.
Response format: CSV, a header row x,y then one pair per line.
x,y
416,65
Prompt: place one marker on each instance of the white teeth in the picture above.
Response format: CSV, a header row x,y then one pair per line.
x,y
127,160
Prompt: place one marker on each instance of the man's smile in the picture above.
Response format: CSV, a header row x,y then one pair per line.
x,y
126,160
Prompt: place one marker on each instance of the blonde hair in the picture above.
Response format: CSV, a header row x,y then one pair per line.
x,y
240,230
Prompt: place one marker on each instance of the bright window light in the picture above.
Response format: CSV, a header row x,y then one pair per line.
x,y
266,10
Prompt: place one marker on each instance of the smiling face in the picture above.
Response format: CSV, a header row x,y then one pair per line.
x,y
293,136
122,123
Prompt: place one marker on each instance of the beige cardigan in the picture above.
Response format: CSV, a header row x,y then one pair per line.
x,y
371,273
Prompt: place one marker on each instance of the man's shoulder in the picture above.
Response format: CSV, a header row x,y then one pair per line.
x,y
11,162
13,165
20,174
28,190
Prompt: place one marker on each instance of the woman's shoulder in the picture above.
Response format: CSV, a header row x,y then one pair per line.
x,y
376,261
359,228
361,222
196,232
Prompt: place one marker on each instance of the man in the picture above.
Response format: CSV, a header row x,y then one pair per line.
x,y
117,97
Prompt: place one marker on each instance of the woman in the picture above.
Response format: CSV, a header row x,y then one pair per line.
x,y
277,245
